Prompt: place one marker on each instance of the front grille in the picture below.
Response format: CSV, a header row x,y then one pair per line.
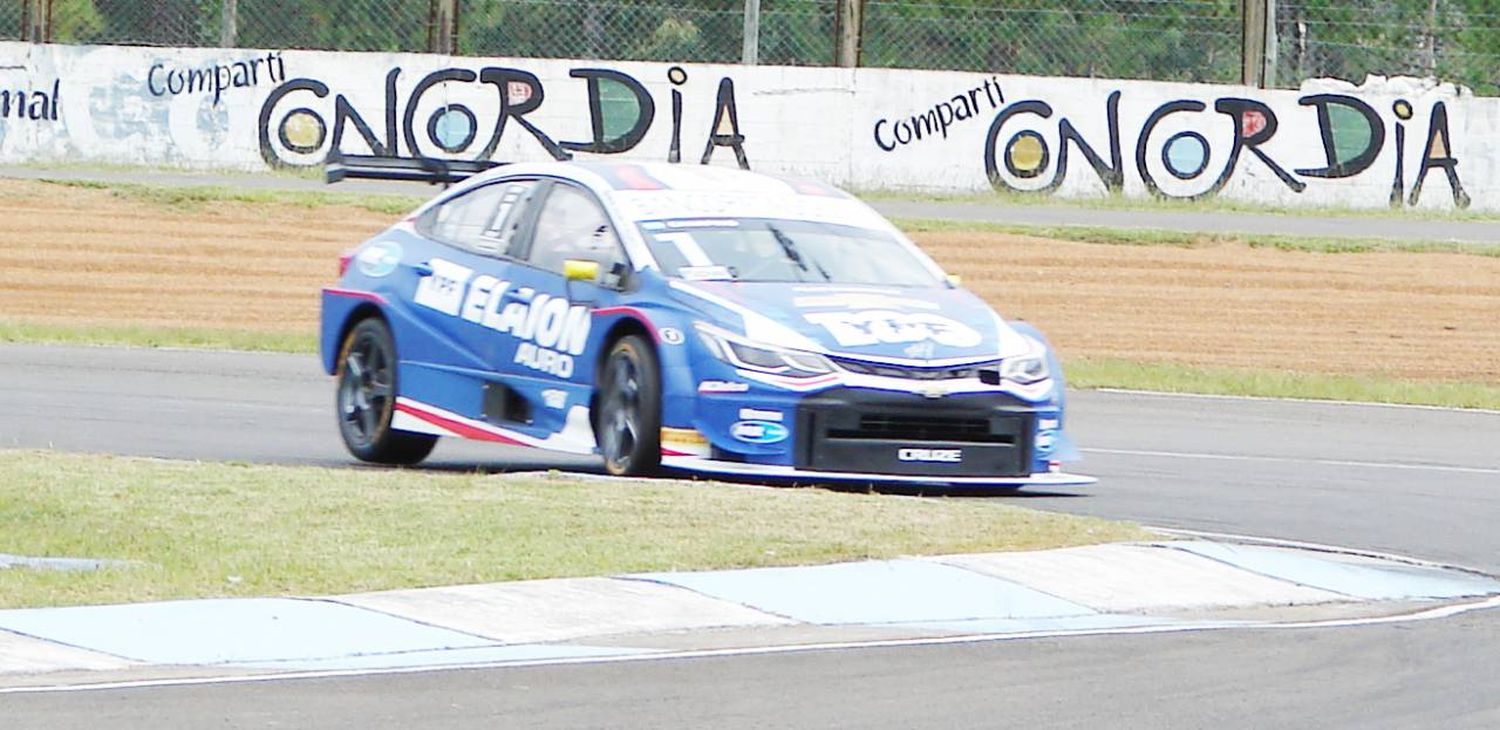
x,y
883,432
923,428
908,372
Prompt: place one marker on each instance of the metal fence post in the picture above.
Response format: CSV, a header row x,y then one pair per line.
x,y
1258,43
1272,52
229,24
847,26
36,21
750,55
442,37
1431,39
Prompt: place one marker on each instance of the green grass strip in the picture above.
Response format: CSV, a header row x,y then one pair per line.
x,y
204,529
1095,202
1168,205
137,336
1173,378
199,197
1182,239
196,197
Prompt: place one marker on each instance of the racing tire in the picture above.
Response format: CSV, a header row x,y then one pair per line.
x,y
366,398
629,422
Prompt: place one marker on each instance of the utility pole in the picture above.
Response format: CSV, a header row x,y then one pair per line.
x,y
1258,43
847,24
229,24
750,55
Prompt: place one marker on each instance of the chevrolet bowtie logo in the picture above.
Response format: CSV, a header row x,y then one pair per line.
x,y
920,351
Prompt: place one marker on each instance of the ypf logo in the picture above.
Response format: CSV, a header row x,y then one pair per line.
x,y
856,329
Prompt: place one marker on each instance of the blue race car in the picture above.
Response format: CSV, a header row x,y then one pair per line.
x,y
689,317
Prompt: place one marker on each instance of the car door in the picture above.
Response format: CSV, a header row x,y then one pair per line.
x,y
554,340
459,290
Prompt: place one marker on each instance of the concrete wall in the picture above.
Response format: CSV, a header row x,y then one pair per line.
x,y
1401,142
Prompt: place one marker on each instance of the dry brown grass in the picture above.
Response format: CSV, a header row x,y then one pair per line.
x,y
87,256
1397,314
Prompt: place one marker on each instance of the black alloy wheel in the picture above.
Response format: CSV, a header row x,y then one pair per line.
x,y
629,423
367,398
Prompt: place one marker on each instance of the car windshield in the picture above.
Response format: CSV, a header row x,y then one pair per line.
x,y
763,249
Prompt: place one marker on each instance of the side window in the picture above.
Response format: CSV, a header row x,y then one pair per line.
x,y
482,221
572,226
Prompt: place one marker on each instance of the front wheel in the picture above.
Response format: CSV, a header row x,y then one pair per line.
x,y
367,399
629,423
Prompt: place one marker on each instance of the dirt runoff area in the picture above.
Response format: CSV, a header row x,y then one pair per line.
x,y
81,256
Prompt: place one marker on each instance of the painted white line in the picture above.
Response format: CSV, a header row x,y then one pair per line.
x,y
1274,399
1439,612
1291,460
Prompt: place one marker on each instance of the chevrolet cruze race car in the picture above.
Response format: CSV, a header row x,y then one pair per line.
x,y
690,317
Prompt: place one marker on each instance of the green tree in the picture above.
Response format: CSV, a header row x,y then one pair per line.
x,y
1452,40
75,21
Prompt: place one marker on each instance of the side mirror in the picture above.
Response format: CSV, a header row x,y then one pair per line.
x,y
581,270
955,281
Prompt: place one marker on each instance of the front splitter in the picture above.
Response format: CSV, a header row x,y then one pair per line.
x,y
772,471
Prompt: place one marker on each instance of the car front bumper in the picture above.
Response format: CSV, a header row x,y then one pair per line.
x,y
861,434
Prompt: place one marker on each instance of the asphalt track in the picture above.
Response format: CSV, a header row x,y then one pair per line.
x,y
1422,482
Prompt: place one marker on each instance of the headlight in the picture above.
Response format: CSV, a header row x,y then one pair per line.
x,y
1025,369
743,353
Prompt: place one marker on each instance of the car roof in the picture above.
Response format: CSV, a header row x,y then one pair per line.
x,y
658,190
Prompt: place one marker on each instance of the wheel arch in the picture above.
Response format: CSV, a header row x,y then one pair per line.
x,y
356,314
622,328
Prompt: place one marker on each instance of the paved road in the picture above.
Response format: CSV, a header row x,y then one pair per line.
x,y
1400,677
1414,481
1051,213
1393,479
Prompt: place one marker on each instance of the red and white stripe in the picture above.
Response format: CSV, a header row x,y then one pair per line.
x,y
413,415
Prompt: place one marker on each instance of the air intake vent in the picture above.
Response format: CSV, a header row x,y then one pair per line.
x,y
922,428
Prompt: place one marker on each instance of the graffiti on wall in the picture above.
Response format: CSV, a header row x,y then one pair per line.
x,y
462,112
1393,142
165,80
1189,150
935,120
36,104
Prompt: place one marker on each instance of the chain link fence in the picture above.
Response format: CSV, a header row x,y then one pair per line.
x,y
362,25
1169,40
12,25
792,32
1452,40
1176,40
618,29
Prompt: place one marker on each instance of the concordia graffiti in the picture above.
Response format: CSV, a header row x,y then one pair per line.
x,y
1173,149
465,112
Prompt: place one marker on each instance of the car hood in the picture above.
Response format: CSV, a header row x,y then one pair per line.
x,y
910,325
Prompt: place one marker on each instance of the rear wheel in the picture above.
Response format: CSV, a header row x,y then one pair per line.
x,y
629,423
367,399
